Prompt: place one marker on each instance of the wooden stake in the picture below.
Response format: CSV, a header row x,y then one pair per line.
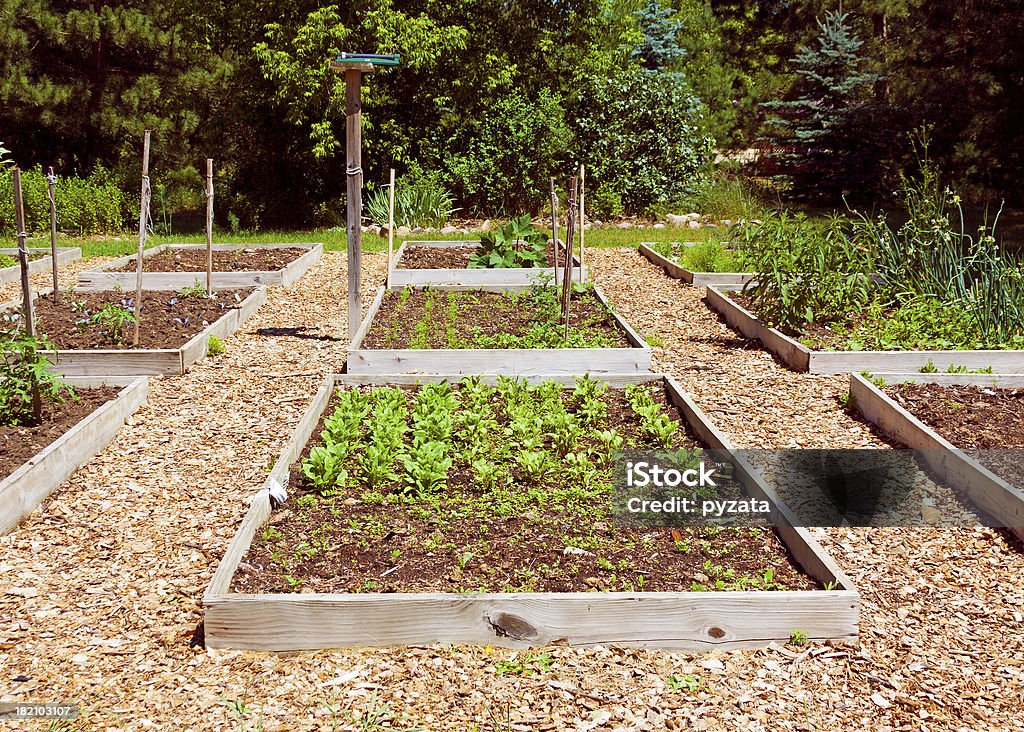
x,y
391,223
209,226
554,226
143,218
26,290
583,220
52,185
354,173
570,235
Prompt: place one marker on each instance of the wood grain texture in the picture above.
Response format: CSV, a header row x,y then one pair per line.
x,y
28,486
671,620
993,494
523,361
733,280
800,358
103,278
65,255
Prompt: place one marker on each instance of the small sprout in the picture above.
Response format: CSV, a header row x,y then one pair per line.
x,y
798,638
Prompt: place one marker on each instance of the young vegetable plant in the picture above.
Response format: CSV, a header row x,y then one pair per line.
x,y
25,382
113,318
517,244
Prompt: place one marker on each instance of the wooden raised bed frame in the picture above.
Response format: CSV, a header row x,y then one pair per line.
x,y
65,255
990,492
470,278
635,359
799,357
730,280
691,621
150,361
103,278
24,489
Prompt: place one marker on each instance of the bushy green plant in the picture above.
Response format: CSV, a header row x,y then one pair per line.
x,y
113,318
807,271
516,244
723,196
85,206
423,203
25,381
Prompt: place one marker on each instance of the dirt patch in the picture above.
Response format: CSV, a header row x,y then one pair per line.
x,y
239,260
970,417
19,443
168,320
450,319
452,257
552,535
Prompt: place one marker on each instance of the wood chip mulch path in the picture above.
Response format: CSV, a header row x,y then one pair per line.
x,y
100,590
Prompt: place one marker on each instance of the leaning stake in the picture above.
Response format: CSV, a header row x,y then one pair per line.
x,y
26,291
554,225
582,218
143,220
51,180
209,226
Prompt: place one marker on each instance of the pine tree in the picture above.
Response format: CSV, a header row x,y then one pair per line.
x,y
660,49
827,147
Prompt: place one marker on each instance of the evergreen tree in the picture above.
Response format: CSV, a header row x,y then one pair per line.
x,y
826,144
660,49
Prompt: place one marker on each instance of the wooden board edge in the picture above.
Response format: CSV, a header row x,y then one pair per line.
x,y
371,313
194,350
793,354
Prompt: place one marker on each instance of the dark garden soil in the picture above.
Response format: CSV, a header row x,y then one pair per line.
x,y
168,320
517,538
450,257
240,260
11,260
450,319
970,417
19,444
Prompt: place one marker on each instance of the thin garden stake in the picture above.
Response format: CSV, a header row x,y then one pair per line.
x,y
583,220
209,226
391,222
570,235
51,180
19,223
554,225
26,291
143,220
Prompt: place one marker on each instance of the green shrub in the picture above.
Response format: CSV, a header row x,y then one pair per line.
x,y
85,206
723,196
24,378
517,244
423,203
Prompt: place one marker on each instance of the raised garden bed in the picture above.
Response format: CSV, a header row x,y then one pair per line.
x,y
955,422
436,331
369,527
174,330
40,260
725,280
799,357
71,436
176,266
446,264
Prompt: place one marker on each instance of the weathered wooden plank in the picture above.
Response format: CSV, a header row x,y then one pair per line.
x,y
222,328
729,280
24,489
104,278
498,360
993,494
800,358
65,255
672,620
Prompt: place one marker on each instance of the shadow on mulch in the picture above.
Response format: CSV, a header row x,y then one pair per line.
x,y
300,332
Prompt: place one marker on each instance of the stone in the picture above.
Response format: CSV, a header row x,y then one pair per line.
x,y
693,224
403,231
450,230
419,230
597,223
486,225
658,226
676,220
727,222
624,225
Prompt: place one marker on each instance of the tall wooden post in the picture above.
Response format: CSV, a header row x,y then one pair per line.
x,y
570,233
582,219
554,225
19,223
52,185
143,220
209,226
354,174
391,222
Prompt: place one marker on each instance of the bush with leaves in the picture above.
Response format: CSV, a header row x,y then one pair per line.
x,y
25,381
85,206
517,244
423,203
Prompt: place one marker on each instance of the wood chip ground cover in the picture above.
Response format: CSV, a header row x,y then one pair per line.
x,y
529,319
239,260
524,506
100,320
100,588
19,443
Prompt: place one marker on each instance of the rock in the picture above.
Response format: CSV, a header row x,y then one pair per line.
x,y
597,223
450,230
693,224
658,226
693,216
727,222
624,225
403,231
419,230
676,220
486,225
